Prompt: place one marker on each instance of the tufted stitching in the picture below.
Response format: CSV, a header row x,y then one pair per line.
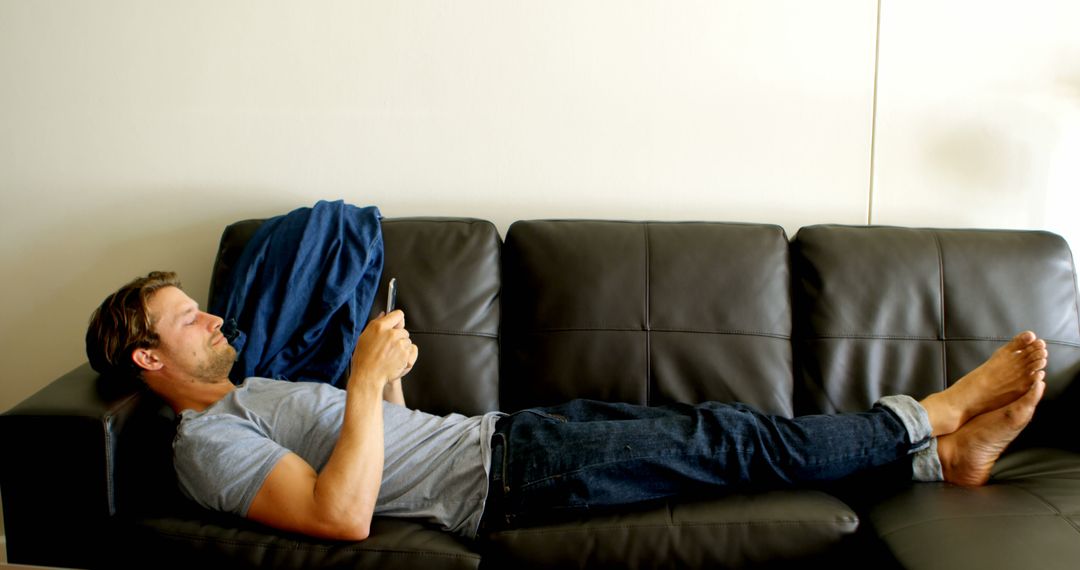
x,y
941,325
453,333
300,546
1049,505
648,320
971,517
597,527
602,328
108,426
857,336
1076,294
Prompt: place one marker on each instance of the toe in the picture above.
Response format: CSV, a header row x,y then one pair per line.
x,y
1034,394
1025,338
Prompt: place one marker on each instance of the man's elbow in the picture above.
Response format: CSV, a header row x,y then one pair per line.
x,y
348,532
356,533
353,528
347,524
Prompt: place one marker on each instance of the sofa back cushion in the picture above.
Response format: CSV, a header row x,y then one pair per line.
x,y
647,313
447,271
884,310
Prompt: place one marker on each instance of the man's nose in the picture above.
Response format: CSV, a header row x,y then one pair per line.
x,y
215,321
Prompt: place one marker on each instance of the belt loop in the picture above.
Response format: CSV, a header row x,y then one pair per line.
x,y
499,487
498,471
505,465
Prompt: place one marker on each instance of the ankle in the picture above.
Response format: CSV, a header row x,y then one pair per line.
x,y
945,416
947,455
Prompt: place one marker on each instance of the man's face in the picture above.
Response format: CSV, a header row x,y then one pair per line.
x,y
191,341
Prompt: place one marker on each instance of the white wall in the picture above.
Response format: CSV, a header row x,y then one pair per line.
x,y
979,114
131,132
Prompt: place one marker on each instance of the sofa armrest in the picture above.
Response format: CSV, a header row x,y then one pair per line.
x,y
57,478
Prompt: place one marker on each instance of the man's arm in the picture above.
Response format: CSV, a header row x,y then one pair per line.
x,y
338,503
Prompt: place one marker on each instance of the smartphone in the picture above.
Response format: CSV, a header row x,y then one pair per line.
x,y
391,295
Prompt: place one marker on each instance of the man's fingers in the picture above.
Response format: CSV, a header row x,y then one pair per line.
x,y
393,319
414,353
406,345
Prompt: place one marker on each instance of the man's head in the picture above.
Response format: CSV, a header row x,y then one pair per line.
x,y
151,328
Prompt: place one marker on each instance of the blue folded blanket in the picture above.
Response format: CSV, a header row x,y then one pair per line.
x,y
301,292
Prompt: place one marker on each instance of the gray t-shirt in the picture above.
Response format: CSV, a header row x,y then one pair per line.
x,y
435,468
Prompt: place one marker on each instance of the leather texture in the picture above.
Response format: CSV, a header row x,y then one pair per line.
x,y
646,313
448,281
736,531
1030,518
64,440
217,541
883,310
641,312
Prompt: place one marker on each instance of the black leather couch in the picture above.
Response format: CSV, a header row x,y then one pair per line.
x,y
638,312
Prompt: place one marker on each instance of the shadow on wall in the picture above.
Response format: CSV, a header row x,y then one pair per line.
x,y
1008,143
979,157
988,160
1069,84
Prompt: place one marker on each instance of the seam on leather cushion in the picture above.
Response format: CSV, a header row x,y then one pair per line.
x,y
976,517
454,333
296,546
594,527
601,328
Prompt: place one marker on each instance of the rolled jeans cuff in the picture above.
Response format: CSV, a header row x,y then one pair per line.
x,y
925,465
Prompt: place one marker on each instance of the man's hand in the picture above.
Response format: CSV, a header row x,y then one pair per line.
x,y
383,353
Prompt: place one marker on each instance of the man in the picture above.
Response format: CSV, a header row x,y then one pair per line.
x,y
313,459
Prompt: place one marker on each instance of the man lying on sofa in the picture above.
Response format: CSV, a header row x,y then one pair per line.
x,y
315,459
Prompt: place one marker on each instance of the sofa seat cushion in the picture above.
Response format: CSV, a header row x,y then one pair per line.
x,y
733,531
1027,517
213,540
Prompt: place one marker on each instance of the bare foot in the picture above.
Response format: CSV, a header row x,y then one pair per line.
x,y
1003,378
968,454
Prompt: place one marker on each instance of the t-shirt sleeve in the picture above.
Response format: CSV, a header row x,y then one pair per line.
x,y
222,462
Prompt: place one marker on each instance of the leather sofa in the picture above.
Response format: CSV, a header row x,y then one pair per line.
x,y
648,313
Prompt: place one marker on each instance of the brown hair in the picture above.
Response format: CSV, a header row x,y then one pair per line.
x,y
123,324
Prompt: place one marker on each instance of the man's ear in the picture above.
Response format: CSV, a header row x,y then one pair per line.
x,y
146,359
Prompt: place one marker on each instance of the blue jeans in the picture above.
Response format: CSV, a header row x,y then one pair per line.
x,y
585,454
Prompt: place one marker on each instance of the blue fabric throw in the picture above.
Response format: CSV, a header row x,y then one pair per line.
x,y
301,292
